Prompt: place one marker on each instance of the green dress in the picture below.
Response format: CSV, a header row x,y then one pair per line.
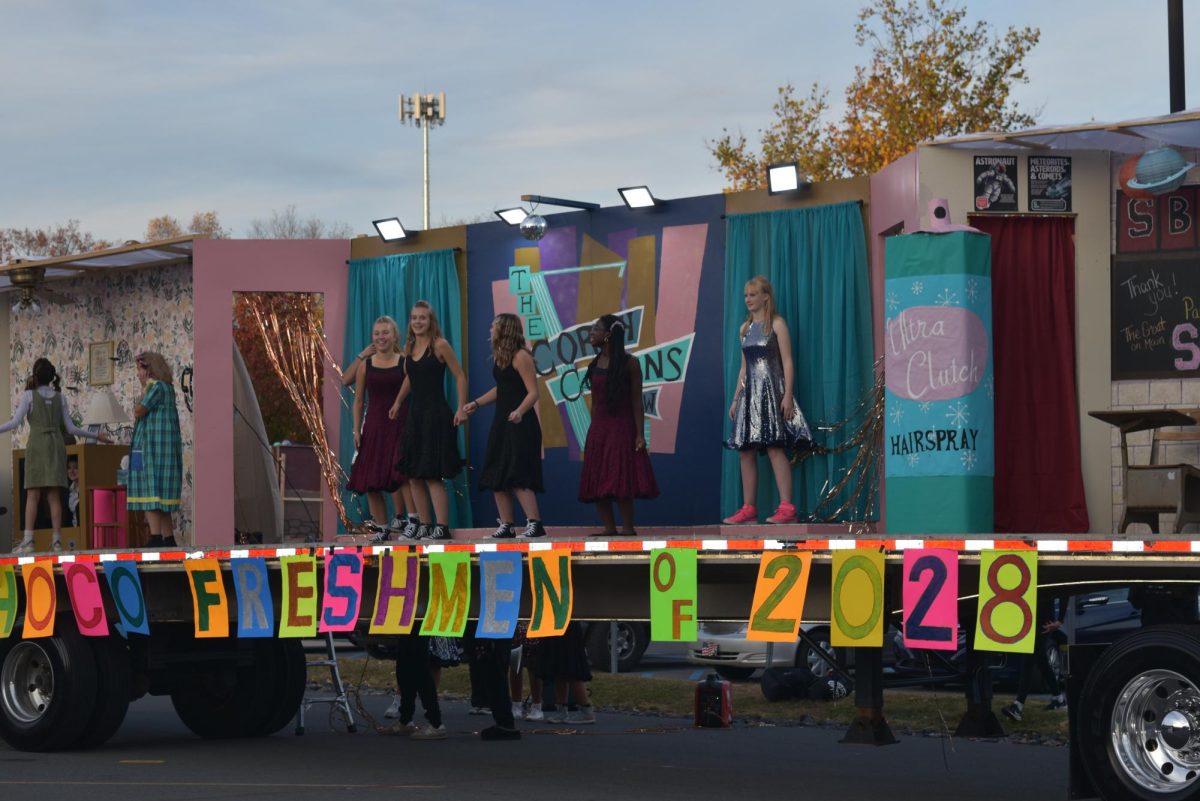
x,y
156,483
46,453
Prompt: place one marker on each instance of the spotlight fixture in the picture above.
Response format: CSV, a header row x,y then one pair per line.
x,y
785,177
513,216
638,197
391,229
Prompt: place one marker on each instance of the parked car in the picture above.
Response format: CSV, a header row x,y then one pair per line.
x,y
1094,617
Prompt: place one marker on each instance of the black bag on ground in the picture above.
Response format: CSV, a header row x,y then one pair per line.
x,y
783,683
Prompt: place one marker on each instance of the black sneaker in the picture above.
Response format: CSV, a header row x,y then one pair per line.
x,y
1012,711
381,535
498,733
503,531
397,524
533,529
411,528
1057,702
440,532
424,531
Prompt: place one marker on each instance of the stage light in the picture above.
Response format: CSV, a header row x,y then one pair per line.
x,y
783,178
390,229
638,197
513,216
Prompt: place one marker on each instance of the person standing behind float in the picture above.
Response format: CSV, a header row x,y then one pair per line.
x,y
46,450
377,381
429,447
616,466
764,414
513,460
156,453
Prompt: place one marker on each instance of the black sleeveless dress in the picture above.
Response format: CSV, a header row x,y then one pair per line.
x,y
513,459
429,447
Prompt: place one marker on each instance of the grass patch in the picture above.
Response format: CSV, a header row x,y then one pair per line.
x,y
907,711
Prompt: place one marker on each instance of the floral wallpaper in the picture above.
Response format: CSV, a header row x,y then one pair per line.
x,y
148,309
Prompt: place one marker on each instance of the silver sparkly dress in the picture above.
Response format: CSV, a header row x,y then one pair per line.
x,y
757,420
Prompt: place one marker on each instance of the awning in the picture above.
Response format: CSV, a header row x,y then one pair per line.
x,y
1181,130
134,255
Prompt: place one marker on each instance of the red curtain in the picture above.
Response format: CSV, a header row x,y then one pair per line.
x,y
1039,480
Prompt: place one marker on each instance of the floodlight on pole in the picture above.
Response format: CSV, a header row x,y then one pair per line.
x,y
391,229
785,177
424,111
638,197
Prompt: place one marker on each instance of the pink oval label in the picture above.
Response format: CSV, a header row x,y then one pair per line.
x,y
935,352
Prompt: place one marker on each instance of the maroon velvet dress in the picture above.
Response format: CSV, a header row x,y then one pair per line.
x,y
374,468
612,468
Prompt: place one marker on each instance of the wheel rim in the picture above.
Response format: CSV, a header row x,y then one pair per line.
x,y
816,661
27,680
1156,730
624,641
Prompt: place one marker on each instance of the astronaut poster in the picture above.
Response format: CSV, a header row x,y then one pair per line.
x,y
995,186
1049,183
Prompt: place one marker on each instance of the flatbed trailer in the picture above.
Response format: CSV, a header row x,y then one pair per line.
x,y
1134,704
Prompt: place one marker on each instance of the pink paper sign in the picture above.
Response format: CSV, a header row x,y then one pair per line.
x,y
83,585
930,603
935,352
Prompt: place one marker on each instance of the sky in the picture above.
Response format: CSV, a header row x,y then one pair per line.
x,y
116,111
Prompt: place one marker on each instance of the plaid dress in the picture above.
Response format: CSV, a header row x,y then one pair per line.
x,y
157,484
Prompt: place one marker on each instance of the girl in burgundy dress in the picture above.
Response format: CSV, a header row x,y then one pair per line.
x,y
616,466
377,382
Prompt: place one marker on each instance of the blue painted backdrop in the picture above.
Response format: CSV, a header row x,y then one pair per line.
x,y
663,271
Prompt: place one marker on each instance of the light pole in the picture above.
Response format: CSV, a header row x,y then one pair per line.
x,y
423,111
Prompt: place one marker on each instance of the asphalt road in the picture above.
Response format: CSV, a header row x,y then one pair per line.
x,y
622,756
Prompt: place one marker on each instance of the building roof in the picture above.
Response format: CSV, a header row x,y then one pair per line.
x,y
1181,129
125,257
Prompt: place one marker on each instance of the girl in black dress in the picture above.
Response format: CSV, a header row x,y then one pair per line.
x,y
513,462
429,447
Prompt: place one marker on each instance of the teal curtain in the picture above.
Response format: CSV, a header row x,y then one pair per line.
x,y
816,260
390,285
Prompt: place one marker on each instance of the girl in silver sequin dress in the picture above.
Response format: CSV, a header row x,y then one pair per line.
x,y
764,414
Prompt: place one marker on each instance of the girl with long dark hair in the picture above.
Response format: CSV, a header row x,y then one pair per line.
x,y
513,460
616,466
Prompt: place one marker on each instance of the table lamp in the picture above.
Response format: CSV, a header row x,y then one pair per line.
x,y
104,409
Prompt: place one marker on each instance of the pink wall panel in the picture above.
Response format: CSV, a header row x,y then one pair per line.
x,y
220,268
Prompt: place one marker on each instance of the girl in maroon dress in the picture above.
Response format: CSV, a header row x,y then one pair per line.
x,y
377,382
616,466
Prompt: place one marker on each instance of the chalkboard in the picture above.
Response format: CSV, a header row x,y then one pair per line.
x,y
1156,316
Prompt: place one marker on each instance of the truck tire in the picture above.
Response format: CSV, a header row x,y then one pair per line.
x,y
47,689
1138,717
115,690
227,701
288,691
632,641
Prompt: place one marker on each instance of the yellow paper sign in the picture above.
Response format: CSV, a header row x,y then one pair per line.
x,y
397,592
298,613
779,597
1007,601
857,599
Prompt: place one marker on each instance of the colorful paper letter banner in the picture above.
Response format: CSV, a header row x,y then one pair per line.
x,y
857,599
779,597
126,589
40,600
343,591
298,618
930,599
499,594
256,611
8,600
1007,601
396,593
550,586
673,595
83,586
210,606
449,595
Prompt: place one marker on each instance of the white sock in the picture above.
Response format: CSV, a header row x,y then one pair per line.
x,y
1018,705
56,536
28,536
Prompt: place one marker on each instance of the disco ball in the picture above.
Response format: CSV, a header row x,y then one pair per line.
x,y
534,227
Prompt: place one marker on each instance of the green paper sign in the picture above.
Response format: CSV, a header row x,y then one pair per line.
x,y
1007,602
673,595
449,594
